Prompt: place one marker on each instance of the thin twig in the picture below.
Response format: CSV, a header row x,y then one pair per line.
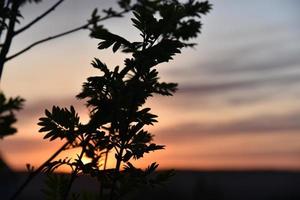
x,y
117,171
105,160
60,35
52,8
73,175
46,40
37,171
104,168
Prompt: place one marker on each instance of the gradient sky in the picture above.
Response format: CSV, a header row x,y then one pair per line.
x,y
238,102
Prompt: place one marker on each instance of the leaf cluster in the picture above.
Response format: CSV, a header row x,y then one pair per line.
x,y
55,186
8,107
133,178
60,123
116,97
125,6
7,12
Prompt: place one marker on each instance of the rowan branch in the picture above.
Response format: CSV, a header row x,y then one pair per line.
x,y
46,40
38,18
60,35
73,175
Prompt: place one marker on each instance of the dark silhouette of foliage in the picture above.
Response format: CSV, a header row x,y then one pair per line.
x,y
55,186
116,100
8,107
10,15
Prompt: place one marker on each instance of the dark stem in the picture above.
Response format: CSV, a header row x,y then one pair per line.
x,y
105,161
3,20
123,143
73,175
104,168
111,130
117,171
9,35
119,160
37,171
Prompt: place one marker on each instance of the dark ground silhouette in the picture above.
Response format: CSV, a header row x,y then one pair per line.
x,y
187,185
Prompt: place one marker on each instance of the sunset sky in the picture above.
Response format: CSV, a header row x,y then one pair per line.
x,y
238,101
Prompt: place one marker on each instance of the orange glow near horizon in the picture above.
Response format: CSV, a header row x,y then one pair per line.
x,y
231,152
195,151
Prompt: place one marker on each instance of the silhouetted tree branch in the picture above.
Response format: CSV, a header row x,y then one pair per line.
x,y
11,13
8,107
39,17
116,99
45,40
37,171
85,26
73,175
9,16
9,34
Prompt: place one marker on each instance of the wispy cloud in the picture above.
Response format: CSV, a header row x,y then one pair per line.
x,y
26,145
262,124
34,110
254,82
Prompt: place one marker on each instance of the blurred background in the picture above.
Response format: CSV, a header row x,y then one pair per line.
x,y
237,107
232,131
